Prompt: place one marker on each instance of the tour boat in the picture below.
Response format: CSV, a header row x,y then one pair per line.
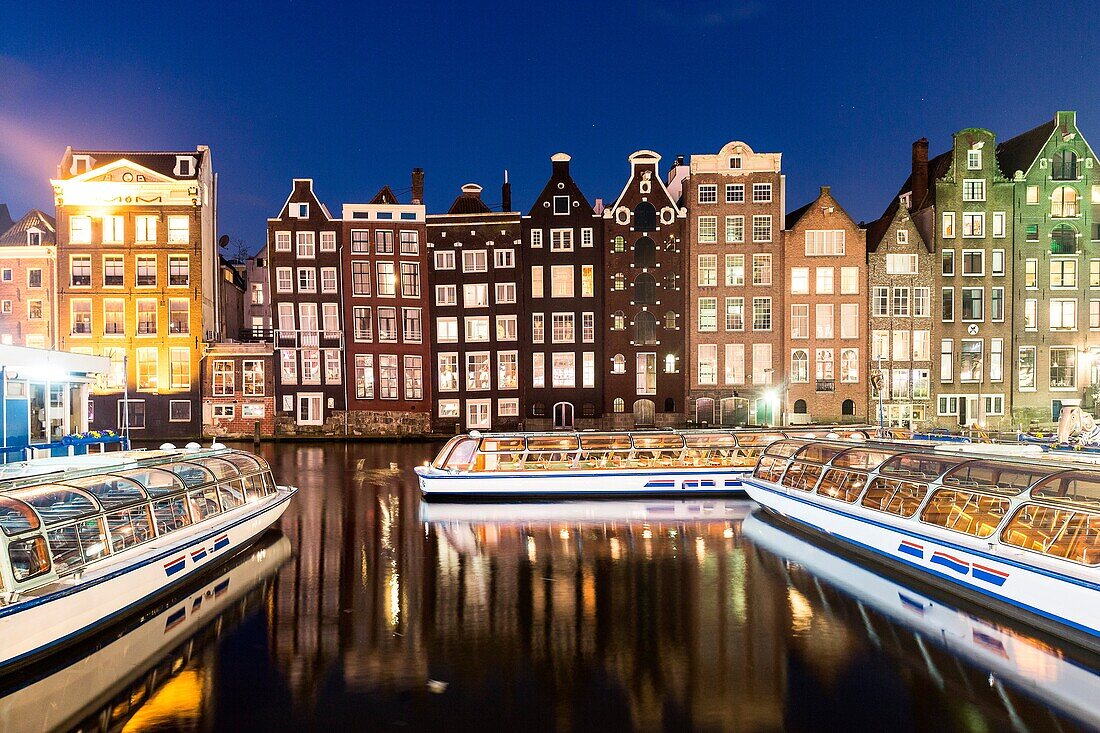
x,y
113,677
1020,535
581,513
86,540
604,463
1026,663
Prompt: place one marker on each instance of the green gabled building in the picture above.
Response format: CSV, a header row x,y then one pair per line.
x,y
1056,265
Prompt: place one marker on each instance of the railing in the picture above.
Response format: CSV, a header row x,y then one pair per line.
x,y
826,385
256,335
309,339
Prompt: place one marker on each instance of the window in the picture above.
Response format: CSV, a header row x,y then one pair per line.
x,y
447,364
947,360
444,259
880,345
901,264
1032,194
618,244
478,375
112,230
735,229
901,302
997,305
504,259
536,239
113,271
476,328
561,281
735,364
708,364
538,327
179,270
880,301
1094,315
1031,273
284,280
901,236
114,316
80,230
1063,367
562,328
735,163
508,370
997,261
762,364
538,370
762,228
849,366
536,282
947,305
360,278
179,316
708,314
618,364
999,224
849,320
474,260
1064,203
1031,314
761,193
1063,166
147,271
800,280
410,279
708,193
410,242
387,324
974,159
645,289
34,310
996,359
387,376
505,292
800,366
449,408
1026,368
305,245
1063,240
922,343
947,262
179,230
561,204
147,367
588,281
586,237
414,377
328,241
564,370
131,413
735,270
970,360
383,245
823,366
328,279
1063,273
900,345
735,314
561,240
949,225
922,302
412,325
824,283
507,329
1063,314
80,270
823,320
618,282
735,192
146,316
252,374
288,367
800,321
282,241
1032,233
588,327
307,280
974,189
222,378
645,329
972,300
762,269
973,224
761,314
386,279
708,229
824,242
34,277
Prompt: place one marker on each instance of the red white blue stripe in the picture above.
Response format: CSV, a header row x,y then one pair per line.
x,y
962,567
221,542
911,548
174,566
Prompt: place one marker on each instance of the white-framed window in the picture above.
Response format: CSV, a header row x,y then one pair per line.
x,y
901,264
974,159
561,240
761,314
973,189
561,281
708,270
901,236
1063,273
948,225
1063,314
536,281
538,370
922,302
735,270
762,228
476,329
328,241
849,320
999,224
588,369
708,193
444,259
947,360
880,301
475,295
800,280
1063,367
761,193
508,407
447,367
563,328
508,370
735,193
80,230
973,224
849,281
284,279
825,242
113,230
282,241
735,229
1031,314
179,229
735,314
899,346
707,362
996,359
971,361
307,280
412,320
479,376
823,320
536,239
409,241
762,269
563,373
708,229
972,304
823,281
734,372
1025,369
800,321
922,345
450,409
588,327
305,245
328,279
997,263
475,260
708,314
800,366
586,237
385,279
446,295
507,328
947,305
505,292
504,259
446,330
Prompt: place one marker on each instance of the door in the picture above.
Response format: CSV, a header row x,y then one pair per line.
x,y
477,415
309,409
563,416
644,413
645,375
704,411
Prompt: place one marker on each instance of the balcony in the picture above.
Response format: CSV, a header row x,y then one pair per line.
x,y
308,339
256,335
825,385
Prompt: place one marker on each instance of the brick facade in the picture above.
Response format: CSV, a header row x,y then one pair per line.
x,y
238,388
28,303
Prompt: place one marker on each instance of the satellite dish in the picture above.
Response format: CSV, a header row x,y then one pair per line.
x,y
223,240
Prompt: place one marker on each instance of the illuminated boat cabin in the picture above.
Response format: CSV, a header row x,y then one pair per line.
x,y
58,522
1053,510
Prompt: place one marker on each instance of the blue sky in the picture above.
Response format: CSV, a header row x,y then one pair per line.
x,y
356,94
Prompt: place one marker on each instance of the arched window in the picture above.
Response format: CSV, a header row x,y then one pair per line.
x,y
800,407
1064,166
848,407
800,366
618,244
645,329
618,321
670,320
670,404
645,289
704,411
1063,240
618,364
645,217
645,253
849,365
618,282
671,365
1063,203
618,405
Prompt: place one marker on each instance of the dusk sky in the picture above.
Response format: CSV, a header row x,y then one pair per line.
x,y
354,95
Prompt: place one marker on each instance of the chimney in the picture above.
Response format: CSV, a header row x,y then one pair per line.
x,y
418,186
598,208
506,194
824,190
560,163
919,177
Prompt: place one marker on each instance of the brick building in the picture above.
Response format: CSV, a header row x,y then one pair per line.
x,y
562,306
303,243
238,390
476,334
28,286
735,202
256,318
826,339
137,276
384,266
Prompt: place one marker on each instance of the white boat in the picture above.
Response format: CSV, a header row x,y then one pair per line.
x,y
86,541
1007,656
101,689
1020,535
581,513
563,464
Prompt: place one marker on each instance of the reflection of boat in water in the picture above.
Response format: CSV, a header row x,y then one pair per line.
x,y
119,670
589,512
1000,654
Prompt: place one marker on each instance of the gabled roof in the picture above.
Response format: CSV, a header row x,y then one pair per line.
x,y
308,183
469,201
385,195
937,169
1018,153
33,219
794,216
5,218
877,229
161,161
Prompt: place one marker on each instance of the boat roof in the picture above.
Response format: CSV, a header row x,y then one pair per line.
x,y
791,431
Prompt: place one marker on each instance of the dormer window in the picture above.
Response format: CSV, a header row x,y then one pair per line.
x,y
299,211
81,164
561,204
735,162
185,166
34,238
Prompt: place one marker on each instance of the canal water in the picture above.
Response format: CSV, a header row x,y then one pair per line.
x,y
371,610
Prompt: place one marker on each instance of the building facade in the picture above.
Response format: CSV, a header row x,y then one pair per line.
x,y
257,298
562,307
974,235
826,338
388,360
28,282
476,335
1055,270
303,243
137,277
644,274
735,201
238,390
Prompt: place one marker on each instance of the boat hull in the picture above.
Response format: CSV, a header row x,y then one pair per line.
x,y
673,482
44,624
1052,602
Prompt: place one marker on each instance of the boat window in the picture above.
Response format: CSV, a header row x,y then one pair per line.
x,y
711,440
112,491
29,558
129,527
231,493
74,545
918,465
819,453
1073,535
245,463
16,517
758,440
441,456
203,503
770,469
170,514
191,473
254,487
57,504
553,443
221,468
156,481
783,448
965,511
658,441
605,442
866,459
802,475
1074,487
997,476
844,486
462,455
895,496
492,445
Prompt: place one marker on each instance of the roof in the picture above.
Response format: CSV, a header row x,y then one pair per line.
x,y
1018,153
937,169
385,195
36,219
469,201
5,218
160,161
794,216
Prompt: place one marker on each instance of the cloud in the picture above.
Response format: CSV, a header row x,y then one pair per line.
x,y
720,13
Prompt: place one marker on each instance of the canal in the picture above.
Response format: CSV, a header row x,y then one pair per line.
x,y
371,611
